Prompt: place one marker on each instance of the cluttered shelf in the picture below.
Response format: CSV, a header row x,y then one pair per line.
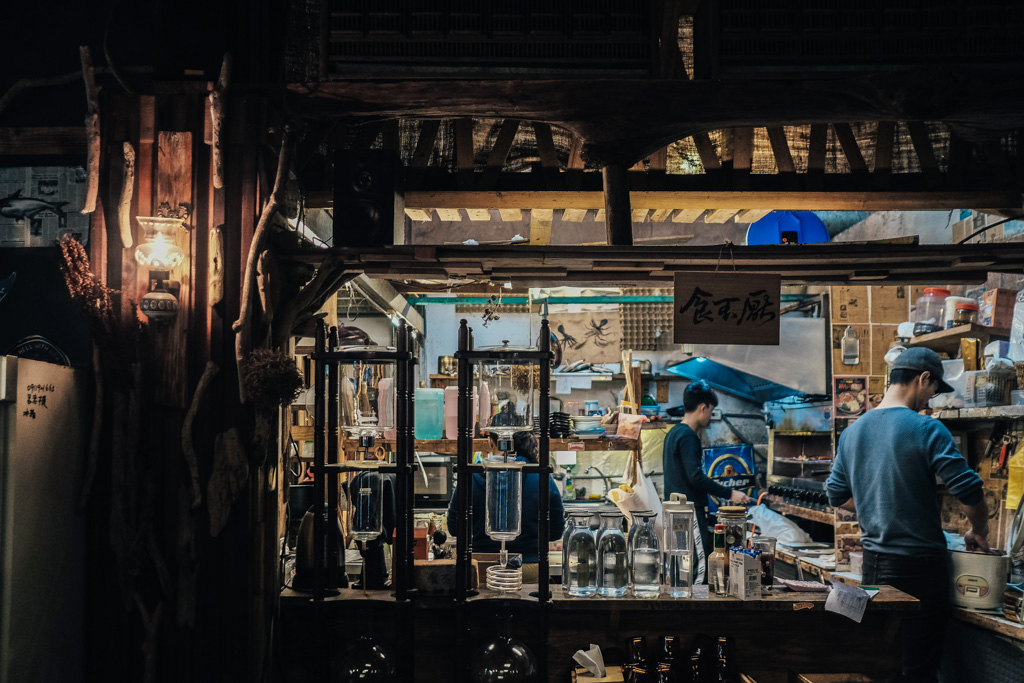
x,y
776,504
451,446
948,341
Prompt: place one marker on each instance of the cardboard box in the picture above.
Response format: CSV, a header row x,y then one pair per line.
x,y
744,576
850,305
996,308
882,338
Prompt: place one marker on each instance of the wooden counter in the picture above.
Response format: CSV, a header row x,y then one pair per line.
x,y
996,623
782,635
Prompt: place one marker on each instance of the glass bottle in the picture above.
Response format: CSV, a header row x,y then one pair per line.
x,y
504,497
573,520
366,659
734,517
718,563
612,578
503,659
367,505
582,560
724,668
644,555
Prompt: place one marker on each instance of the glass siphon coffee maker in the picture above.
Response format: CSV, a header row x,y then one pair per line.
x,y
365,412
680,522
510,387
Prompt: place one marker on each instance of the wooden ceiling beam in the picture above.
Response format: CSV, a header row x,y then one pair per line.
x,y
548,155
809,201
421,155
464,153
687,215
883,153
499,153
720,215
925,153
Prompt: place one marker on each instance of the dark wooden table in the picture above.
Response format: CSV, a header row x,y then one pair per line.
x,y
775,638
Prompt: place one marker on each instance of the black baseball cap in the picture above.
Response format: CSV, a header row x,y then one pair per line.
x,y
921,359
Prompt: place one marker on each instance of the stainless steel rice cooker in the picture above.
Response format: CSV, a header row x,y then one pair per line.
x,y
979,579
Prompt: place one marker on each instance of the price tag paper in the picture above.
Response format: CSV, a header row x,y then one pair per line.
x,y
850,601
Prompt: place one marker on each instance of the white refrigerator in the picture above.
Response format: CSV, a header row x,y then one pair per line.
x,y
42,534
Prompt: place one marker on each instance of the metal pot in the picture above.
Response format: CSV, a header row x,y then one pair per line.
x,y
446,365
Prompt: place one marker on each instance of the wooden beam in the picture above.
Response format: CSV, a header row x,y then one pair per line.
x,y
599,216
479,214
367,135
540,226
751,215
499,153
639,215
449,215
658,167
956,167
809,201
574,173
707,152
63,140
542,214
883,153
548,156
783,157
421,155
742,155
419,214
720,215
816,150
573,215
618,226
660,215
687,215
923,146
848,141
511,215
464,152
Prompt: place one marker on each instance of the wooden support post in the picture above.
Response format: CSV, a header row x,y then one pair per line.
x,y
618,219
883,153
817,149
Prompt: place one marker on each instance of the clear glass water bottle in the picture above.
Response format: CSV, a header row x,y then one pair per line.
x,y
367,505
644,555
612,576
573,519
582,557
504,495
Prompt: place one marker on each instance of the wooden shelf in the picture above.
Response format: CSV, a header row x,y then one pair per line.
x,y
797,461
948,341
776,504
990,413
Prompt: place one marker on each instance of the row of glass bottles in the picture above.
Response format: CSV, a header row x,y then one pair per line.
x,y
608,563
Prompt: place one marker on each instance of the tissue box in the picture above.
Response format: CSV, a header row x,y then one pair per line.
x,y
744,576
996,308
613,674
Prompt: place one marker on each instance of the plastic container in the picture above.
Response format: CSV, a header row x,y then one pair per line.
x,y
451,411
966,314
429,423
680,528
950,305
929,313
984,388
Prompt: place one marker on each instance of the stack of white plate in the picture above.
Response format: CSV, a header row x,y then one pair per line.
x,y
588,426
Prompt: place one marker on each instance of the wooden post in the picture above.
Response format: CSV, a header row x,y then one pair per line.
x,y
618,221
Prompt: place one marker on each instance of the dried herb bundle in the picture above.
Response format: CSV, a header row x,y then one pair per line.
x,y
271,378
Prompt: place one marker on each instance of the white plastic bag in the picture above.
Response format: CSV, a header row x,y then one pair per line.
x,y
771,523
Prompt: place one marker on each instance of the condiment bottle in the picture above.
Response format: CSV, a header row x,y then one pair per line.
x,y
966,314
718,563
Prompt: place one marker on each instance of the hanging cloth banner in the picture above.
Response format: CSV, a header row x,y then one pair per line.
x,y
727,308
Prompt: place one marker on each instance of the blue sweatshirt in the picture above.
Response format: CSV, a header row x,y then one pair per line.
x,y
887,461
526,542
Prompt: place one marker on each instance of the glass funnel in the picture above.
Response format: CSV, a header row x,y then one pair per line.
x,y
510,385
504,496
362,385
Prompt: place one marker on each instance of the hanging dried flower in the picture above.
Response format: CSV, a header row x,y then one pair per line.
x,y
271,378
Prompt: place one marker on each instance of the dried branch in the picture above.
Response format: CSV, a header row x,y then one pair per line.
x,y
92,129
187,446
215,288
218,112
151,627
124,205
328,278
243,326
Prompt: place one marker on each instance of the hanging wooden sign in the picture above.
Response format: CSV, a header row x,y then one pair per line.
x,y
727,308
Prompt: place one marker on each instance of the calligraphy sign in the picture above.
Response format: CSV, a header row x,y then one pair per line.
x,y
727,308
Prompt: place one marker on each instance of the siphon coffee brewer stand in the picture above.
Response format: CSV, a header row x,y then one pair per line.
x,y
351,394
518,381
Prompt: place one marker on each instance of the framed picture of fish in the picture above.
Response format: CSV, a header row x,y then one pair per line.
x,y
41,204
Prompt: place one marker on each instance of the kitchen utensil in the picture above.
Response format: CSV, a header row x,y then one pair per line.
x,y
979,579
446,365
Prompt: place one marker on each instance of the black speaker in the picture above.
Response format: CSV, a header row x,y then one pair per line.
x,y
368,202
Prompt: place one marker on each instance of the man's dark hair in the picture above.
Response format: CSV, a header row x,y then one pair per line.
x,y
523,443
698,393
903,375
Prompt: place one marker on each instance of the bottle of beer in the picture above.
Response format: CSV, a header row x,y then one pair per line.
x,y
718,563
724,673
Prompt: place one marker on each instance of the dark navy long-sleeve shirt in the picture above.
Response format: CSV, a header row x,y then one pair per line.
x,y
887,461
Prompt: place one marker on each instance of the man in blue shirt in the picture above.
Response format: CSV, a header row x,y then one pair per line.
x,y
683,459
885,470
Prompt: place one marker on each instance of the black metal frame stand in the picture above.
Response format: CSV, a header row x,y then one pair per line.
x,y
327,468
465,357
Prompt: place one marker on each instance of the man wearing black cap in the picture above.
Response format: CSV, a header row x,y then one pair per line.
x,y
885,468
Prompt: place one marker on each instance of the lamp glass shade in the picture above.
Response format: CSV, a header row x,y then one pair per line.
x,y
158,250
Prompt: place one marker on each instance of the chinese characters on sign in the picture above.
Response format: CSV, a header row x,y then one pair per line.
x,y
35,396
727,308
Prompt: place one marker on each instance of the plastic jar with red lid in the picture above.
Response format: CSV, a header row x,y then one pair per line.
x,y
929,314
